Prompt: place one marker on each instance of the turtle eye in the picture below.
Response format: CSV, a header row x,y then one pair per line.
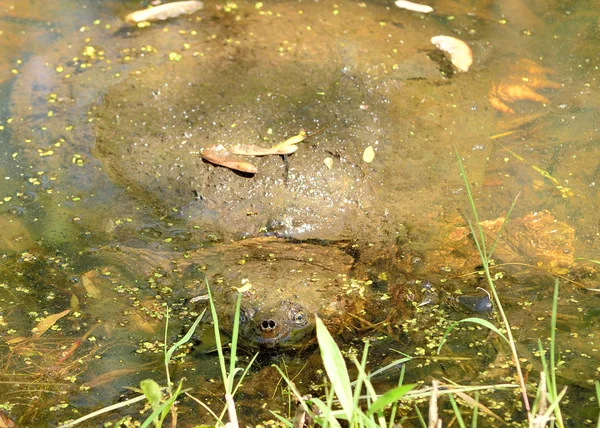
x,y
245,315
298,317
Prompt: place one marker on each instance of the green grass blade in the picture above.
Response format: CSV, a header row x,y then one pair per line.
x,y
170,402
555,404
499,234
474,320
597,383
327,416
371,396
385,368
330,395
420,416
234,340
336,369
457,413
184,339
166,350
480,250
213,311
472,202
361,375
390,397
475,411
281,419
244,373
553,367
154,415
290,384
395,405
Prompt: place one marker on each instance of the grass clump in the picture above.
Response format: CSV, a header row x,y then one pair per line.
x,y
545,409
348,395
163,400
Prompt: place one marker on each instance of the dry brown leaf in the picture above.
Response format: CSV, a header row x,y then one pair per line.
x,y
460,53
164,11
253,150
16,340
292,141
87,279
5,421
48,322
109,377
218,155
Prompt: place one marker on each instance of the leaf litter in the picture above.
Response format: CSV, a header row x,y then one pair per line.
x,y
164,11
227,157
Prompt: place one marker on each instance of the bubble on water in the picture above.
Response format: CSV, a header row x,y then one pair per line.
x,y
181,236
15,211
150,232
28,196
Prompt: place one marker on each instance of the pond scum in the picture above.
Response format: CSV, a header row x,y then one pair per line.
x,y
343,402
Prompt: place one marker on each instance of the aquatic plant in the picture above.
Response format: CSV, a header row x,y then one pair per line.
x,y
228,376
348,394
539,414
151,390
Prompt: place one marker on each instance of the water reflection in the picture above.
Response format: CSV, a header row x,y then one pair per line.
x,y
100,151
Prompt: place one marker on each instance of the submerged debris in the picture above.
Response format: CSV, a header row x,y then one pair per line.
x,y
415,7
219,155
368,154
164,11
254,150
521,84
460,53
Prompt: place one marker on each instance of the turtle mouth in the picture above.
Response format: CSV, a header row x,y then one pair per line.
x,y
282,337
273,342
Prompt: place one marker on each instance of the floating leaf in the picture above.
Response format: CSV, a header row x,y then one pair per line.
x,y
415,7
460,53
16,340
87,279
369,154
74,304
164,11
48,322
218,155
253,150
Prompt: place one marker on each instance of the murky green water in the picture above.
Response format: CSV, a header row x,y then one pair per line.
x,y
102,127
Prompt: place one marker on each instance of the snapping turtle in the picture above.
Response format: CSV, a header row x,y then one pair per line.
x,y
112,124
284,284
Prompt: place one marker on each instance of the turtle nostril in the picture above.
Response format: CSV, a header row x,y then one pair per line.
x,y
268,325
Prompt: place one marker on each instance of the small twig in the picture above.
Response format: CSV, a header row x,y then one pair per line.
x,y
103,410
433,417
